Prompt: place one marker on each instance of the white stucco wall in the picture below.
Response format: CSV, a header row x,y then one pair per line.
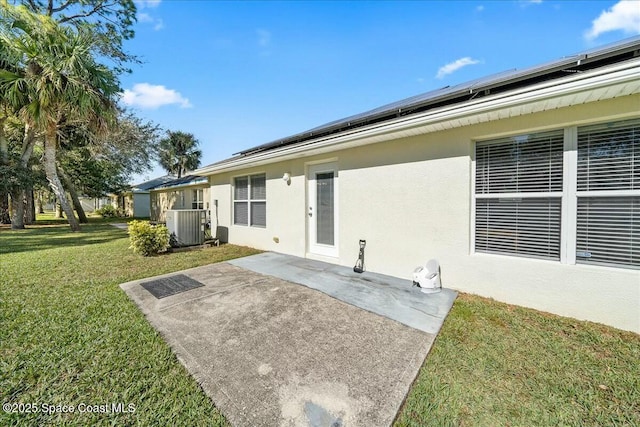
x,y
164,199
141,205
411,200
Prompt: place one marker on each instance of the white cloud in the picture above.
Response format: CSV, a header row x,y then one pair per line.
x,y
527,3
144,17
455,66
479,8
264,37
141,4
623,16
145,95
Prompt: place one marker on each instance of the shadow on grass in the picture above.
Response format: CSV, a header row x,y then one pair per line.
x,y
48,235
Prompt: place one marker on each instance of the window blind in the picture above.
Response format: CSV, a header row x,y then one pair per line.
x,y
608,231
608,224
609,156
259,214
258,187
519,226
526,163
241,201
241,213
527,224
241,188
249,200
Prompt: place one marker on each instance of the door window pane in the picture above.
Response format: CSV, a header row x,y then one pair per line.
x,y
325,208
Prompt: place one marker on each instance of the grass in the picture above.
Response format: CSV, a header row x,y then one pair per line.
x,y
495,364
69,335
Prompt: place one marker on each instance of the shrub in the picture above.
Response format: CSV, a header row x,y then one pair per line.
x,y
147,239
107,211
173,241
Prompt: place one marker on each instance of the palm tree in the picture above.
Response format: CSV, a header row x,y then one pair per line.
x,y
179,153
55,80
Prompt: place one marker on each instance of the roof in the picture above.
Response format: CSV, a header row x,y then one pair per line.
x,y
182,182
461,94
148,185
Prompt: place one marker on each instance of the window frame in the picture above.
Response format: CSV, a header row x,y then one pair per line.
x,y
569,197
514,195
197,198
599,194
249,201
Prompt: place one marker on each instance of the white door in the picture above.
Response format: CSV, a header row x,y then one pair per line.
x,y
322,209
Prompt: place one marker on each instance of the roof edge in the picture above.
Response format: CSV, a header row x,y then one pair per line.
x,y
576,83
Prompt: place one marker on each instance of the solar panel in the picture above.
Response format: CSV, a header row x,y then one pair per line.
x,y
454,92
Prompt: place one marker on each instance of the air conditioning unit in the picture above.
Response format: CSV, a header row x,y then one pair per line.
x,y
187,225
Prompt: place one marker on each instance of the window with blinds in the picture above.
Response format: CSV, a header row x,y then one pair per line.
x,y
258,200
518,195
250,201
197,201
527,227
608,192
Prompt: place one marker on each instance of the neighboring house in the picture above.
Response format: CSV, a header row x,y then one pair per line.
x,y
136,202
188,192
89,204
524,185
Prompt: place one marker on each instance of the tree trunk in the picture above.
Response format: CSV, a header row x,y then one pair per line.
x,y
39,203
17,208
29,207
59,213
5,217
50,142
4,145
77,205
22,203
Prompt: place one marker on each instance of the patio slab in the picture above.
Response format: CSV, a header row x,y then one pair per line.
x,y
387,296
270,352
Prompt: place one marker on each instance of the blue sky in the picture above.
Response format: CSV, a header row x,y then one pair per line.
x,y
239,74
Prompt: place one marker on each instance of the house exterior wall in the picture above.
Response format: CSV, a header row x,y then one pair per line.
x,y
165,199
88,204
411,200
128,204
141,205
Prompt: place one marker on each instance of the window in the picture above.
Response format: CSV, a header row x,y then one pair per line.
x,y
519,195
250,201
197,201
524,183
608,192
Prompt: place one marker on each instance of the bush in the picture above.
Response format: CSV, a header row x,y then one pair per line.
x,y
107,211
147,239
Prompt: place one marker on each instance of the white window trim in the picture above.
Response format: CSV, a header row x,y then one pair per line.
x,y
512,195
249,200
568,229
569,197
198,200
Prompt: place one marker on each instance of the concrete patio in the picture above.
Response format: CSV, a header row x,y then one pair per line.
x,y
342,350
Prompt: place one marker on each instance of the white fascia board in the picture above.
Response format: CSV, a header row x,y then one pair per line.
x,y
180,186
616,75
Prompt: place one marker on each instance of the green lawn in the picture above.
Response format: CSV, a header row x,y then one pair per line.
x,y
69,335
